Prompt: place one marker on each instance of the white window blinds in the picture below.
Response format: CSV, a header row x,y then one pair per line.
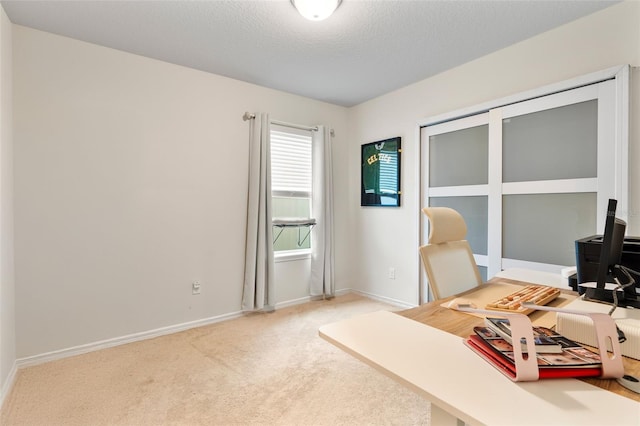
x,y
290,164
389,173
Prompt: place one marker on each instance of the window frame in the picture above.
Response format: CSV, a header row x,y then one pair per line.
x,y
304,253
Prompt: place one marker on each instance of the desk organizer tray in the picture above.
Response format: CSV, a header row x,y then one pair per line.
x,y
537,294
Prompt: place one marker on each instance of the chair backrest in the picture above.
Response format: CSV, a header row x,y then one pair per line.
x,y
448,259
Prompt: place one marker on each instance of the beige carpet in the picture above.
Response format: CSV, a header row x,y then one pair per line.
x,y
262,369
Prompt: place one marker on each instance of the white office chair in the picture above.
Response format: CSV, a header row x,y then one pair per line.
x,y
448,259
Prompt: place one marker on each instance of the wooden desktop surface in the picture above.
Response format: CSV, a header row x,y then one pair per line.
x,y
461,324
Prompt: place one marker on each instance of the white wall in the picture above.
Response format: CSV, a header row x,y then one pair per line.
x,y
293,280
130,176
130,183
7,284
389,237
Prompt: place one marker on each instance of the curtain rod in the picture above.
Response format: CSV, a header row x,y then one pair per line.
x,y
294,126
249,116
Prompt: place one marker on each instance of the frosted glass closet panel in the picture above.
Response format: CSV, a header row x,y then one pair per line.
x,y
474,211
459,157
543,227
558,143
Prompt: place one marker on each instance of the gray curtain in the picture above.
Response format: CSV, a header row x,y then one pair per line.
x,y
258,291
322,250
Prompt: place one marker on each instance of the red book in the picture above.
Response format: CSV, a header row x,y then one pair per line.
x,y
575,361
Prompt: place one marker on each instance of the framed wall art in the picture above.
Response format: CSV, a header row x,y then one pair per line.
x,y
380,173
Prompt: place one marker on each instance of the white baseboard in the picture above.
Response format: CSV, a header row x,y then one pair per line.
x,y
103,344
8,383
306,299
342,292
384,299
293,302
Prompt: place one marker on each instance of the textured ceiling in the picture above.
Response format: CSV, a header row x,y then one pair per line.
x,y
366,49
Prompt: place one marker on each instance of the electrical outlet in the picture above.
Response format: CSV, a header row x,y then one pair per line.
x,y
195,287
392,273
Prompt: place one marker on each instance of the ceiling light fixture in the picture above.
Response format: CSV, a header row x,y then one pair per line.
x,y
316,10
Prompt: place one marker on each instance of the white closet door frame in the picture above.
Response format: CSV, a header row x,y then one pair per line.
x,y
610,161
494,215
607,185
444,191
610,87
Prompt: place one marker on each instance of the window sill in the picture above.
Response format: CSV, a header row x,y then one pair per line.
x,y
292,255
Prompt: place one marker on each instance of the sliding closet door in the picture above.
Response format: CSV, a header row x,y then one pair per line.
x,y
557,167
458,175
531,177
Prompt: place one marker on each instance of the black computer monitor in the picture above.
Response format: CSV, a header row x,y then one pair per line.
x,y
609,264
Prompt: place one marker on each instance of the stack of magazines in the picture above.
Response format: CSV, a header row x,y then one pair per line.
x,y
556,355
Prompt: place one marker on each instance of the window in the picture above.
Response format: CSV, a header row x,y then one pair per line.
x,y
291,182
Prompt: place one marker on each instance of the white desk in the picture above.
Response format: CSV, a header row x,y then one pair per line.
x,y
461,385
